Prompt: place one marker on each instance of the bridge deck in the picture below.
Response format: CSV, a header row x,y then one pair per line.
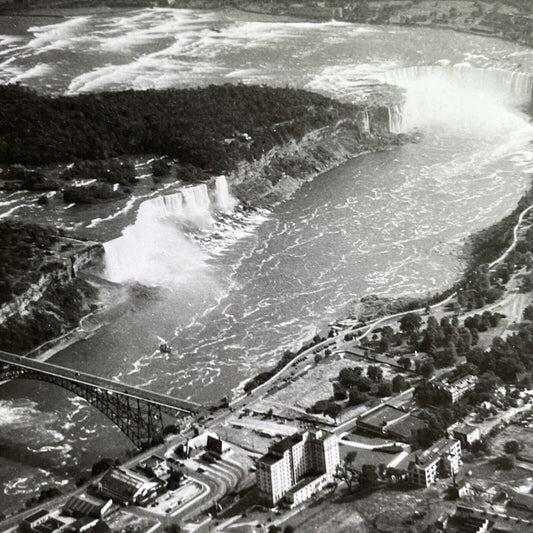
x,y
101,383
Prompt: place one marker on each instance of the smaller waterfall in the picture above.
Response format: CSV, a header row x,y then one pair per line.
x,y
366,122
395,119
223,199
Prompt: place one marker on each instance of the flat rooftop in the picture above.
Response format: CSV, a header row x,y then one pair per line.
x,y
386,413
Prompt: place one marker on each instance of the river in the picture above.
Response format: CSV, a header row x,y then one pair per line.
x,y
237,290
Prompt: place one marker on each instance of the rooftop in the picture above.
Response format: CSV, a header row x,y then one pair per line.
x,y
286,443
384,415
269,459
465,429
41,513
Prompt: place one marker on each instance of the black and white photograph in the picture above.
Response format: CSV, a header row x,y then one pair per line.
x,y
266,266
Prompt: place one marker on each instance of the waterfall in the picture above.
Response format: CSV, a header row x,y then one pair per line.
x,y
459,97
223,199
366,122
154,250
395,119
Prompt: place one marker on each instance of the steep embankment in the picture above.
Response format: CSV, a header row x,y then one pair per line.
x,y
41,295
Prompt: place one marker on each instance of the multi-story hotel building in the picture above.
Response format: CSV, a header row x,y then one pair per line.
x,y
297,467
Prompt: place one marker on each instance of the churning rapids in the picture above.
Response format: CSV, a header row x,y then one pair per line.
x,y
240,287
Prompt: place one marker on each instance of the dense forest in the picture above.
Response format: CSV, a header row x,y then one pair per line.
x,y
212,127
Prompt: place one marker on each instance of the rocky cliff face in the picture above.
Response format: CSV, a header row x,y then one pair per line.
x,y
280,171
52,305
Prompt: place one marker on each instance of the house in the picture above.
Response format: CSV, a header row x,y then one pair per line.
x,y
460,489
155,467
79,506
454,388
297,467
466,434
125,486
442,459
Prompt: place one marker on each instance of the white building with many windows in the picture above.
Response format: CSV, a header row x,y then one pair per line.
x,y
297,467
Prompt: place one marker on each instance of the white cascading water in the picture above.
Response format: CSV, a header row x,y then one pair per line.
x,y
154,250
224,201
395,119
478,100
366,122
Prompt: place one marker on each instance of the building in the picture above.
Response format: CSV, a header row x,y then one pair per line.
x,y
378,421
125,486
35,519
466,434
442,459
297,467
43,522
391,422
155,467
520,500
455,388
89,524
79,506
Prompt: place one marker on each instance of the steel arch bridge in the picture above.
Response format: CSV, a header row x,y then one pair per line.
x,y
137,412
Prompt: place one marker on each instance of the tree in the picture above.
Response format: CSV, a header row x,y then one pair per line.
x,y
505,462
333,410
410,322
399,383
357,397
346,471
385,389
426,368
405,362
368,477
374,373
528,313
512,447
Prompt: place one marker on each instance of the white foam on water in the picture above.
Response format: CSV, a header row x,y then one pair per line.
x,y
62,35
38,71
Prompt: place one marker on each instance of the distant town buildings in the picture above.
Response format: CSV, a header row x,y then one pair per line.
x,y
297,467
455,388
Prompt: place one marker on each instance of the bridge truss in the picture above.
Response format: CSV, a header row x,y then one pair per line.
x,y
141,420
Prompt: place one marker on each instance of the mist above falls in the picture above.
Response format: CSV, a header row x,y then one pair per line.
x,y
156,249
476,102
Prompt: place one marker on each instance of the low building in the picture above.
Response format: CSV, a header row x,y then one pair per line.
x,y
305,489
155,467
294,458
466,434
456,387
35,519
79,506
460,489
125,486
89,524
521,501
39,523
378,421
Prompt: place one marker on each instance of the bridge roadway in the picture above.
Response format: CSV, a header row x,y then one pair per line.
x,y
114,387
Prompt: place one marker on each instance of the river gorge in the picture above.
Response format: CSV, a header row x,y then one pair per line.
x,y
236,287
